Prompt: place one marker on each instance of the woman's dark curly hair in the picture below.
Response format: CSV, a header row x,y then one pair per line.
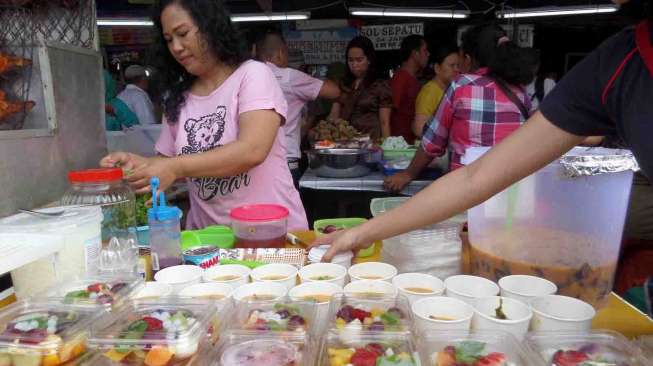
x,y
367,46
216,29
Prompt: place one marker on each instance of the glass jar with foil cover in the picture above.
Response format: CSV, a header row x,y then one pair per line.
x,y
105,188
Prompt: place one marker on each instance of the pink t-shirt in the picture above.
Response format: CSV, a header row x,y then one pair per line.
x,y
298,88
208,122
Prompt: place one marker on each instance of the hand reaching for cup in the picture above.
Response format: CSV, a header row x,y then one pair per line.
x,y
340,242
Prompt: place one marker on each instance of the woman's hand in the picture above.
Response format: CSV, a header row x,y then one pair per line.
x,y
127,161
162,167
340,242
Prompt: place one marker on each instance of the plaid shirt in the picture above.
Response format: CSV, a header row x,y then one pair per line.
x,y
473,112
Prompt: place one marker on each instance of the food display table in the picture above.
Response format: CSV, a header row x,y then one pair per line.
x,y
371,182
618,315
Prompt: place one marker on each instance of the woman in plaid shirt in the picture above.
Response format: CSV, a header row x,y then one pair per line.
x,y
480,108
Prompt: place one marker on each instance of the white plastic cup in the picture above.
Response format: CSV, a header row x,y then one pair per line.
x,y
266,290
153,290
344,259
442,313
286,272
212,274
180,277
519,316
561,313
336,272
369,289
309,289
468,288
524,288
209,290
407,283
372,271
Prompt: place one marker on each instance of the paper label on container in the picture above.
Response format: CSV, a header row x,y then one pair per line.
x,y
92,248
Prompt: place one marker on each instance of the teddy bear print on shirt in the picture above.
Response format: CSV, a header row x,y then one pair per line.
x,y
202,135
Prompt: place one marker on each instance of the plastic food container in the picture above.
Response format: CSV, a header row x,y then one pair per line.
x,y
284,274
42,333
368,349
324,272
276,317
478,348
260,226
352,315
96,291
156,333
441,313
327,226
216,235
80,228
561,313
180,277
372,271
603,347
319,293
235,275
240,348
502,313
260,291
104,188
434,249
563,223
152,291
416,286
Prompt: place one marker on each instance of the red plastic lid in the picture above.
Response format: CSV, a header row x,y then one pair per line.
x,y
95,175
261,212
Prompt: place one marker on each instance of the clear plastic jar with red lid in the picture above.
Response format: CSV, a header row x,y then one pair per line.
x,y
105,188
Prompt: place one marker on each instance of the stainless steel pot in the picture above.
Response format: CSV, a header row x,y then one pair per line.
x,y
339,163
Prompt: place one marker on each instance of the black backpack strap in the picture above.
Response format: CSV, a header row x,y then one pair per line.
x,y
513,98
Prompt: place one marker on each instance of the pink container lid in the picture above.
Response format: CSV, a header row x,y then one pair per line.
x,y
262,212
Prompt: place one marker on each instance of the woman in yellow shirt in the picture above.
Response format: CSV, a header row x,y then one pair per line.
x,y
446,66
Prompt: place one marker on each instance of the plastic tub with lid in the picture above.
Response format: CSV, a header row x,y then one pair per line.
x,y
104,187
327,226
563,223
260,226
601,346
43,333
382,349
443,348
80,228
245,348
156,333
97,291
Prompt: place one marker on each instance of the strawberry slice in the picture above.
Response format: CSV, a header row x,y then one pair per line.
x,y
96,287
364,357
153,324
492,359
376,348
569,358
360,314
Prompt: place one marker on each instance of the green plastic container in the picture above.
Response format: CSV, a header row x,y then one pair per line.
x,y
400,153
345,223
218,235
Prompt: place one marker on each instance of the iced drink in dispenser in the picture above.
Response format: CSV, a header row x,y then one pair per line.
x,y
260,226
563,223
164,231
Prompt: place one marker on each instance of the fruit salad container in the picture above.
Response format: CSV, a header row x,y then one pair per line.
x,y
596,348
369,350
246,348
43,333
455,348
96,291
350,313
156,333
278,317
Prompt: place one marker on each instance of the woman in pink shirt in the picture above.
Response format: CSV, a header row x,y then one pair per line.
x,y
221,128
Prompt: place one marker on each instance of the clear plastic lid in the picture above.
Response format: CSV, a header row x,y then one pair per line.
x,y
42,333
242,348
376,313
477,348
93,291
603,348
156,333
380,349
280,317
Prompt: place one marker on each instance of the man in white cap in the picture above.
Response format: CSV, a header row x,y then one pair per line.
x,y
135,94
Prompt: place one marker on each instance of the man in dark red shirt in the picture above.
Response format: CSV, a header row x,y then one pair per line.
x,y
405,87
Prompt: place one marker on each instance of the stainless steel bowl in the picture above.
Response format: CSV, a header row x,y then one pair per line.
x,y
339,163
